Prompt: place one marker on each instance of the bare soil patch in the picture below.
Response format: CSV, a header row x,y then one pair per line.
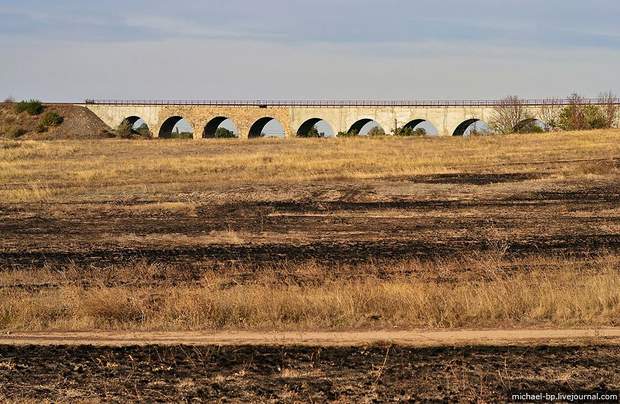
x,y
406,338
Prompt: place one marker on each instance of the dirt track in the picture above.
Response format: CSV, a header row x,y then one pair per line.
x,y
420,338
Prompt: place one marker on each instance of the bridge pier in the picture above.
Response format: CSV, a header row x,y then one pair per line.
x,y
244,130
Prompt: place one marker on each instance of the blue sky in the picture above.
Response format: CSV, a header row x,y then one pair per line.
x,y
69,50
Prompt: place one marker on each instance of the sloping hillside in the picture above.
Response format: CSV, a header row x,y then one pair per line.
x,y
77,123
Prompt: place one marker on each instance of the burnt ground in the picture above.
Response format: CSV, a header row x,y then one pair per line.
x,y
423,217
302,374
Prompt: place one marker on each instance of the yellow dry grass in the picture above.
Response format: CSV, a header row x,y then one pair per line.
x,y
33,192
89,168
561,296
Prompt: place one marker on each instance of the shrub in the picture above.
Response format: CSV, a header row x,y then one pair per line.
x,y
376,131
347,134
578,115
52,119
15,133
530,127
223,133
33,107
41,128
479,132
124,130
411,132
313,132
582,117
143,130
595,117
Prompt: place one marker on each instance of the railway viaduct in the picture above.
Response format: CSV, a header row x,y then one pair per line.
x,y
450,118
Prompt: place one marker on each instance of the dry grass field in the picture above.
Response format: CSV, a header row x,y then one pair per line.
x,y
567,293
329,234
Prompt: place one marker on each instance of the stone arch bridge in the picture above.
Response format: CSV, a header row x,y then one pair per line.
x,y
450,118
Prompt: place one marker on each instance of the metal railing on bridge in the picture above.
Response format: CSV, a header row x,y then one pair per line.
x,y
357,103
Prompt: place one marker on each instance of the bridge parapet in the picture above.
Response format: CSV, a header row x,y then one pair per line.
x,y
355,103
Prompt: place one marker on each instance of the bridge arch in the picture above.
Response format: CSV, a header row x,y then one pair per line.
x,y
220,127
470,126
258,128
177,122
364,126
315,127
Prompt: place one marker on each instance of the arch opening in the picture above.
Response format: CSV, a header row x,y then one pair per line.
x,y
418,127
220,127
266,127
134,126
315,127
176,127
472,127
531,125
366,127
